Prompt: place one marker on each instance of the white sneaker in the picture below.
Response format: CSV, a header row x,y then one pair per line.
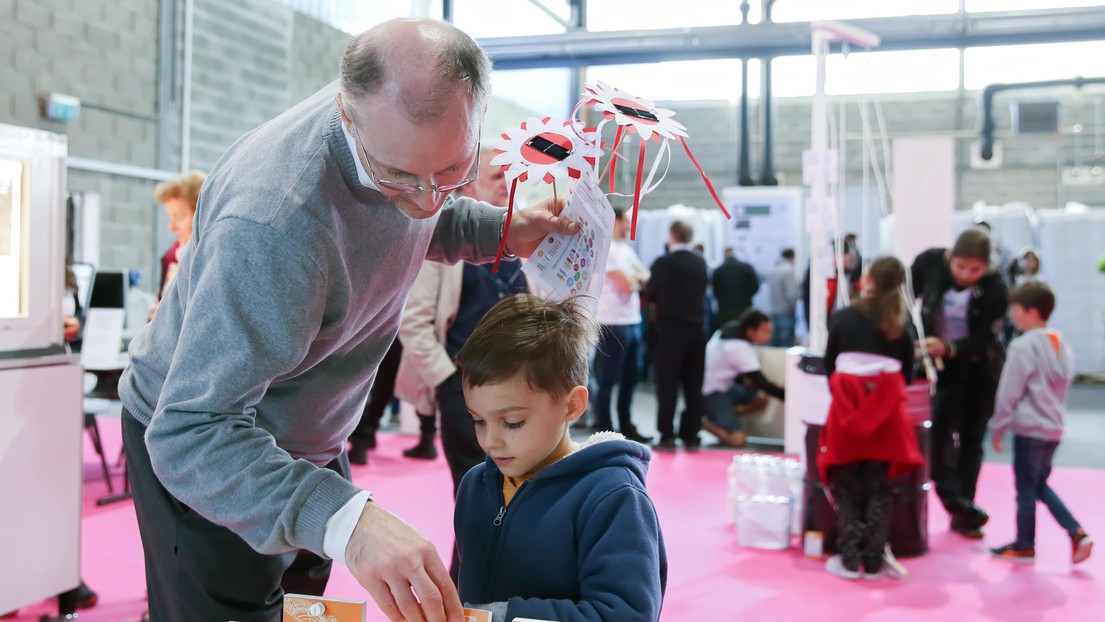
x,y
835,565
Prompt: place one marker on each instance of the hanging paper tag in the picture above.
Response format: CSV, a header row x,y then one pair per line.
x,y
820,214
819,166
564,266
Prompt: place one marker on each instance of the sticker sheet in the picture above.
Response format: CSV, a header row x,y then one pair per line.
x,y
566,266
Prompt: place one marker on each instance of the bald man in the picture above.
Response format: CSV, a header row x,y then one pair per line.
x,y
242,391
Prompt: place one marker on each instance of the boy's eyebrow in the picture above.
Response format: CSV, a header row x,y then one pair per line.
x,y
500,411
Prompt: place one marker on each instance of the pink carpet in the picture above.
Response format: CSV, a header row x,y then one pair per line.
x,y
709,578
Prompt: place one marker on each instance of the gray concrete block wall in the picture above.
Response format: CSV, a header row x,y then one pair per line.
x,y
241,72
316,56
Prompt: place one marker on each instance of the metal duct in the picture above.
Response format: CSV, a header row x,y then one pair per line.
x,y
987,138
767,176
744,174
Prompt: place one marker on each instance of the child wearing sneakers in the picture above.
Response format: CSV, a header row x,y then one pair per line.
x,y
1032,394
547,529
868,438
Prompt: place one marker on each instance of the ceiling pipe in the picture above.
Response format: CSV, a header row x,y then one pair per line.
x,y
744,174
987,138
767,176
920,32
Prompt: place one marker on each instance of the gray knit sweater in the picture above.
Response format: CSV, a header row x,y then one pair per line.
x,y
258,363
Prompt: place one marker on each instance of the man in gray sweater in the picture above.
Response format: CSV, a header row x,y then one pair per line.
x,y
241,393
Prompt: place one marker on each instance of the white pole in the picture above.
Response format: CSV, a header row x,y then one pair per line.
x,y
819,142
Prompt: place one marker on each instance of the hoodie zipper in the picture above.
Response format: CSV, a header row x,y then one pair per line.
x,y
496,536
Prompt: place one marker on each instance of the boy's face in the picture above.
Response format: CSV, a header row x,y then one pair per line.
x,y
761,335
1023,319
522,429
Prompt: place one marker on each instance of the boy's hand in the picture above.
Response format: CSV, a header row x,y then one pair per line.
x,y
996,440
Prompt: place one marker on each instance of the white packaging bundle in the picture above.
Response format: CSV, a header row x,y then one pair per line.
x,y
763,489
763,522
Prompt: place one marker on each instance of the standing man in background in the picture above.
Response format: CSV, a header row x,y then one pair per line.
x,y
677,286
782,285
735,283
620,333
241,393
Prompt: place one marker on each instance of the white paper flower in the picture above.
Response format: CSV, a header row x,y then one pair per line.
x,y
635,113
547,150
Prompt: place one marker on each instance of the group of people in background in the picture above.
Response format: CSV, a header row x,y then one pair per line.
x,y
242,392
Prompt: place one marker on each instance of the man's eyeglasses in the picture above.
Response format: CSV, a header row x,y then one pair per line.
x,y
396,186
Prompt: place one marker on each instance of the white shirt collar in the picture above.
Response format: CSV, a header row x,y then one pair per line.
x,y
362,174
679,247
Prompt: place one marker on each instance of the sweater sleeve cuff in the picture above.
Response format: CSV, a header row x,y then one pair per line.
x,y
491,230
329,496
340,526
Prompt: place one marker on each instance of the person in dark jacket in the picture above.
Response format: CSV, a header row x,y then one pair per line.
x,y
963,304
868,437
677,287
735,282
546,529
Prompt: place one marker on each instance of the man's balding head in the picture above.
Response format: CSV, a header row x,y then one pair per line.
x,y
418,63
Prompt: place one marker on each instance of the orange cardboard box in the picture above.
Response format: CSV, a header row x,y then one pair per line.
x,y
477,615
300,608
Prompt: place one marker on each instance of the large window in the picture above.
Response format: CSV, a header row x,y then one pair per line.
x,y
510,18
1031,63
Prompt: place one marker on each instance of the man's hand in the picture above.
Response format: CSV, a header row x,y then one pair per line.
x,y
401,569
71,327
996,440
529,226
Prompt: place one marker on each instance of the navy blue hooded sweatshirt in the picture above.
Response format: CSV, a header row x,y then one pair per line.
x,y
579,541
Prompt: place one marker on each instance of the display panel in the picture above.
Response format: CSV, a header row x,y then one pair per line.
x,y
13,268
32,241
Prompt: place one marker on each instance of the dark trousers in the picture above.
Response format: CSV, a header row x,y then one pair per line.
x,y
1031,468
383,388
861,491
197,570
616,365
679,361
961,408
458,441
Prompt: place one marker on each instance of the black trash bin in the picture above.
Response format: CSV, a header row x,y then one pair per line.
x,y
909,509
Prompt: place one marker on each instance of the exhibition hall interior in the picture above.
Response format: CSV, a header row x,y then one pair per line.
x,y
552,310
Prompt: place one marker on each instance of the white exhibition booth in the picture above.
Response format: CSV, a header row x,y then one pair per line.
x,y
40,384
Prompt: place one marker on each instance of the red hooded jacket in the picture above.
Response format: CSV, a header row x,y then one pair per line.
x,y
868,421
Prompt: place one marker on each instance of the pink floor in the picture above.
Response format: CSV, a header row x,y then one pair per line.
x,y
710,578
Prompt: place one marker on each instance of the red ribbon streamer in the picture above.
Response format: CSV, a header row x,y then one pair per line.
x,y
637,190
709,186
614,155
506,226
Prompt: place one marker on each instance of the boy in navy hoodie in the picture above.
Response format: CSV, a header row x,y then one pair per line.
x,y
547,529
1032,395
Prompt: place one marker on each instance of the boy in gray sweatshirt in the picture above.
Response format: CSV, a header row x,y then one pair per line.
x,y
1032,395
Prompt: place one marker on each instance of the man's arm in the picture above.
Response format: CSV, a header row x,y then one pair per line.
x,y
237,337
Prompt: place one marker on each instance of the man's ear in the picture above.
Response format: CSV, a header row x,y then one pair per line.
x,y
341,108
576,403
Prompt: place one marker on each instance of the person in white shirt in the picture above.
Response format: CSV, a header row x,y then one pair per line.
x,y
620,338
734,383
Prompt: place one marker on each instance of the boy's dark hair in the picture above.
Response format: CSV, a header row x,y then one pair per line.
x,y
1034,295
973,243
751,319
549,342
788,253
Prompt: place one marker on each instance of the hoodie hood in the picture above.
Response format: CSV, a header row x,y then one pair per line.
x,y
1050,353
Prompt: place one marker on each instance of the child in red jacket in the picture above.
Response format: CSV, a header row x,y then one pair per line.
x,y
868,438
